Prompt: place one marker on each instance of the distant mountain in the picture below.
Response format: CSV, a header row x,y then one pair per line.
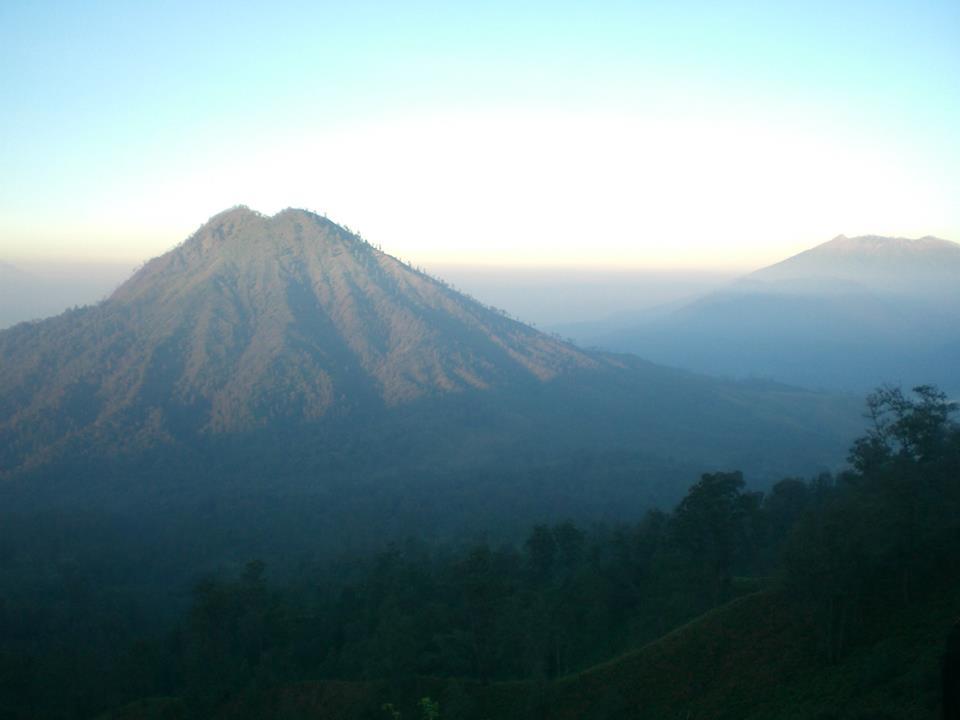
x,y
14,284
927,267
39,288
283,374
8,271
847,315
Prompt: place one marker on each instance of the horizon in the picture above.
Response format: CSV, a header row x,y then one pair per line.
x,y
62,264
554,296
695,137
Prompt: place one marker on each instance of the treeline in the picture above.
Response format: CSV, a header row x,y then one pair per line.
x,y
844,549
886,533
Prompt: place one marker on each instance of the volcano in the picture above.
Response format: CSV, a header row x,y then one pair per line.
x,y
256,320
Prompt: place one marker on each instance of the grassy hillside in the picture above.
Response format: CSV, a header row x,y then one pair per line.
x,y
754,658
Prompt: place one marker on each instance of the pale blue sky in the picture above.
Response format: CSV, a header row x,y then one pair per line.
x,y
662,134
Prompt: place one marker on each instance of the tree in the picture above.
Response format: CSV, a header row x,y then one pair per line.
x,y
783,507
429,709
885,531
896,463
903,428
710,522
541,552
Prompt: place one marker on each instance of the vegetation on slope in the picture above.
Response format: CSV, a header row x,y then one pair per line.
x,y
859,594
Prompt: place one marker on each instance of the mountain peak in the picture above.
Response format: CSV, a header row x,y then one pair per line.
x,y
235,211
924,266
880,243
244,213
245,242
240,217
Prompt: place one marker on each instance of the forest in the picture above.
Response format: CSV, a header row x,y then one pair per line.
x,y
844,552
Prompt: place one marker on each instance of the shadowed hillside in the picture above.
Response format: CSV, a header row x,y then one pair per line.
x,y
830,595
754,659
847,315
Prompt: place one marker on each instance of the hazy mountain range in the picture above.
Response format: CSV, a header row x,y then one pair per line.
x,y
548,296
15,285
847,315
39,289
284,355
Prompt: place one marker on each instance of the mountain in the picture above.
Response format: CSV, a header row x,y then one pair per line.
x,y
847,315
276,377
927,267
257,320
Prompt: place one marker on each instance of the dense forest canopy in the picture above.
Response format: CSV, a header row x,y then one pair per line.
x,y
844,551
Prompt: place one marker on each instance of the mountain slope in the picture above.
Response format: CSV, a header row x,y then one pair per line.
x,y
273,378
256,320
269,322
847,315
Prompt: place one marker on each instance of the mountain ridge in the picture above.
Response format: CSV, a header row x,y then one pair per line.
x,y
927,266
847,315
255,318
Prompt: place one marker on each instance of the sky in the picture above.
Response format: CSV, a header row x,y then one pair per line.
x,y
697,135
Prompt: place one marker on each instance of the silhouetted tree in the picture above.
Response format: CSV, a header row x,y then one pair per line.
x,y
711,523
